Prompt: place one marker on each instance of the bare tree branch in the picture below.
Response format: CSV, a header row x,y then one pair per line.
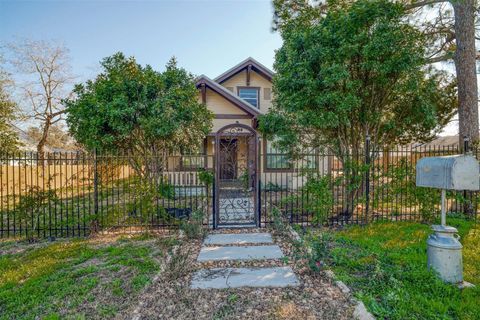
x,y
420,4
48,66
441,58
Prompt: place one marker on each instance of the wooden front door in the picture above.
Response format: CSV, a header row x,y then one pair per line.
x,y
228,159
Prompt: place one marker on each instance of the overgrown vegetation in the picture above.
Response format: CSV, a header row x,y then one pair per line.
x,y
315,198
32,209
385,265
146,208
398,179
395,188
193,227
94,279
280,220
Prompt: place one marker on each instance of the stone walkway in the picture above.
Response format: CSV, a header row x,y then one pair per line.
x,y
245,247
259,283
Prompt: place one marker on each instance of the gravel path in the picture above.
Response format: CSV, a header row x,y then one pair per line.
x,y
170,296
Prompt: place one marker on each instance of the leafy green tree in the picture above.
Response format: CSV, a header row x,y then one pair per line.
x,y
449,28
355,69
358,70
8,113
139,111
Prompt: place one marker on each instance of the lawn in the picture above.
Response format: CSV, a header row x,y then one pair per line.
x,y
77,279
385,265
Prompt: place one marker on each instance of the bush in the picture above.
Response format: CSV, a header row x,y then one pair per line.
x,y
280,220
312,250
144,196
193,227
315,197
398,180
205,177
32,208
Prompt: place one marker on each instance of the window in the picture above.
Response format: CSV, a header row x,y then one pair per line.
x,y
193,160
309,159
276,159
250,95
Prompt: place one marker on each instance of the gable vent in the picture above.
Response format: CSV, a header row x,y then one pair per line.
x,y
267,93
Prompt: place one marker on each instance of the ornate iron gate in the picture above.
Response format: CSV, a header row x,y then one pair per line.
x,y
236,176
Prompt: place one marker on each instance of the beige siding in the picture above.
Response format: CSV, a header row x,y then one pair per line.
x,y
219,105
256,80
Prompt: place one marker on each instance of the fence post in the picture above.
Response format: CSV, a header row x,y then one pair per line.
x,y
367,175
95,190
466,203
214,200
259,202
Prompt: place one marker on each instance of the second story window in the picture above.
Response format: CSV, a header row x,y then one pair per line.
x,y
250,95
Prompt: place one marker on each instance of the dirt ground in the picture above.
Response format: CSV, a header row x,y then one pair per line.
x,y
170,297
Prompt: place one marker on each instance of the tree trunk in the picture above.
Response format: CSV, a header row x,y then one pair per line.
x,y
43,140
465,65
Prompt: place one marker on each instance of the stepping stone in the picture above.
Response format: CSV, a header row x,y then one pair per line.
x,y
220,278
240,253
239,238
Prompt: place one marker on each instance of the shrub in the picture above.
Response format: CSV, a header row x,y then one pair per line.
x,y
315,198
193,227
312,250
32,208
280,220
205,177
144,196
398,180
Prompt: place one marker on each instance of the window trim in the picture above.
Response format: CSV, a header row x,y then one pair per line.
x,y
265,162
247,87
204,154
292,169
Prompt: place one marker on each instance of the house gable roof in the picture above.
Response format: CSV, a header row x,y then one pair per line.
x,y
228,95
254,64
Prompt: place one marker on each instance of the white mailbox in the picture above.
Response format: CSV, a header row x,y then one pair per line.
x,y
458,172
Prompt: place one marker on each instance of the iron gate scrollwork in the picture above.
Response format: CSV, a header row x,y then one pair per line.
x,y
236,175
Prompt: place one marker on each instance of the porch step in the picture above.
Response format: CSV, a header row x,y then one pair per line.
x,y
240,253
237,239
219,278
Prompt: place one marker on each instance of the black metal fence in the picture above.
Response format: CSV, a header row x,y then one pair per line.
x,y
74,194
319,188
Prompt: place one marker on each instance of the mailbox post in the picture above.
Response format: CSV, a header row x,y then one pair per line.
x,y
458,172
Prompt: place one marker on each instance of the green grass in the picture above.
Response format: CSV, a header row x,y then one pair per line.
x,y
76,279
385,265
